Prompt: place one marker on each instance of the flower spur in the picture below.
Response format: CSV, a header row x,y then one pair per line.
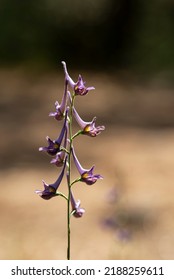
x,y
86,175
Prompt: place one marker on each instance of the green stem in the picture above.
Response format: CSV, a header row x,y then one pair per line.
x,y
75,181
77,133
69,181
62,195
73,212
65,150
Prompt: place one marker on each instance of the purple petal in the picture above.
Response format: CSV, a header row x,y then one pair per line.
x,y
76,207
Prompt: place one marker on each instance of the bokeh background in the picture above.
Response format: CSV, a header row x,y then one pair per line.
x,y
125,49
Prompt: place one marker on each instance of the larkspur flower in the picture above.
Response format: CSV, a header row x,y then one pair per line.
x,y
86,175
60,156
54,145
78,87
51,189
88,128
60,108
76,210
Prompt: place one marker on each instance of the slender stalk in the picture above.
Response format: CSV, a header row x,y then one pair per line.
x,y
62,195
75,181
69,181
77,134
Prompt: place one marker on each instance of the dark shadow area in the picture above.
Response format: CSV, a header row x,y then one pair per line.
x,y
107,35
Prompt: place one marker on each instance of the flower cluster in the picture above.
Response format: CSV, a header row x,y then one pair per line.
x,y
62,149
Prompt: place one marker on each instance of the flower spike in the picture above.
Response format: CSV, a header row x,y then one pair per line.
x,y
87,175
62,151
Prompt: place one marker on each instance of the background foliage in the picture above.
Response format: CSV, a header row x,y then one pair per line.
x,y
123,34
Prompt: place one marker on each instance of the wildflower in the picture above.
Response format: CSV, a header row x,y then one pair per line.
x,y
87,175
78,87
88,128
60,156
54,145
50,190
76,210
60,108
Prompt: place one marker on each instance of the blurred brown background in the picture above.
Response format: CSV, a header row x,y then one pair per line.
x,y
124,49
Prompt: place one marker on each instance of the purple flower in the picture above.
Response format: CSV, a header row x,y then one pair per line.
x,y
78,87
77,211
52,148
60,156
50,190
87,175
60,108
54,145
88,128
59,159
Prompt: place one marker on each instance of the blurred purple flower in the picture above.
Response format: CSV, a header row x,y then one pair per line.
x,y
54,145
60,108
88,128
50,190
124,234
78,87
87,175
109,223
78,212
113,194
